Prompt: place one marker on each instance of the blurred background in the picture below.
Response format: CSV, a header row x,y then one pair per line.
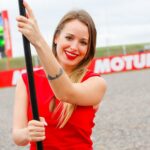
x,y
123,29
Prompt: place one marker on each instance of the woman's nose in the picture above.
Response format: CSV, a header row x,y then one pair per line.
x,y
74,45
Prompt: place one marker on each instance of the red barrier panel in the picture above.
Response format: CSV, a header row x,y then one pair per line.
x,y
9,78
103,65
121,63
5,78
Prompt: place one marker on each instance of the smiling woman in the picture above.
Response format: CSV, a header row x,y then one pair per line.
x,y
66,90
72,44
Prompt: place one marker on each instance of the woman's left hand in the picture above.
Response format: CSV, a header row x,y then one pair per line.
x,y
28,26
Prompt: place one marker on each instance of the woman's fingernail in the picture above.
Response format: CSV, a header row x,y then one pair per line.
x,y
45,123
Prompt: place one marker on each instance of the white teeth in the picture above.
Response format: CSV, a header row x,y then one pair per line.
x,y
71,54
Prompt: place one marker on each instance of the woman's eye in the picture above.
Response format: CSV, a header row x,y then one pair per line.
x,y
83,43
68,37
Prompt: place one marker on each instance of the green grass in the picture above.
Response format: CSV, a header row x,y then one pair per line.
x,y
16,63
19,62
119,50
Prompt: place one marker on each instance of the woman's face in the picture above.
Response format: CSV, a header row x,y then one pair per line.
x,y
72,44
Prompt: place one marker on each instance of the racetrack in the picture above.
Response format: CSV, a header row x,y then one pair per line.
x,y
122,122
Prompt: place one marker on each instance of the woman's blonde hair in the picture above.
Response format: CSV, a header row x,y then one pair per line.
x,y
80,70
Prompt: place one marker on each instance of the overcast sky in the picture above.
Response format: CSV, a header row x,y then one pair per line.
x,y
117,21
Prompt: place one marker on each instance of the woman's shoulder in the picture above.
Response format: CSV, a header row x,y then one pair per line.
x,y
90,73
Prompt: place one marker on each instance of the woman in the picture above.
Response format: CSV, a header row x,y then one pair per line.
x,y
68,94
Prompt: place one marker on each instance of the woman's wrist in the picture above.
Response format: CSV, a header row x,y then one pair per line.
x,y
26,135
39,43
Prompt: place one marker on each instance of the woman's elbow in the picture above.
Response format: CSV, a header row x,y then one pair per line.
x,y
18,140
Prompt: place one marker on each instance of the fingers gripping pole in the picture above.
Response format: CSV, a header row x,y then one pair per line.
x,y
29,66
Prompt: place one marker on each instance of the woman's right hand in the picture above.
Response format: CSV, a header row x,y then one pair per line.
x,y
28,26
36,130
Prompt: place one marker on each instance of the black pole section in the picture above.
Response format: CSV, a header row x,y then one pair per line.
x,y
29,67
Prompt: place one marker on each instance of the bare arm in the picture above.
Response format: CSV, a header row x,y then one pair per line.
x,y
24,131
20,134
89,92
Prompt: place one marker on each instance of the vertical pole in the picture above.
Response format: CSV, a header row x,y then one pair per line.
x,y
29,67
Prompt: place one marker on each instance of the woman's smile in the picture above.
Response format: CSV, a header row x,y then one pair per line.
x,y
71,55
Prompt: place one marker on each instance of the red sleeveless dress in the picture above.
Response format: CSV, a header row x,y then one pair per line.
x,y
76,134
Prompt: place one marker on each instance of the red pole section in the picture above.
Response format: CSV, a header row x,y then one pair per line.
x,y
8,45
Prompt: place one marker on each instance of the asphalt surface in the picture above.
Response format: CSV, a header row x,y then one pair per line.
x,y
122,122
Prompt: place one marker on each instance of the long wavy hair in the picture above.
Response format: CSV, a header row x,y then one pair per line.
x,y
80,70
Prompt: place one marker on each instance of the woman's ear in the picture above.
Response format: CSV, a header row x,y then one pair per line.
x,y
56,39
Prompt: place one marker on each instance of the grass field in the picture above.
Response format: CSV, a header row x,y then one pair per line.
x,y
121,49
19,62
